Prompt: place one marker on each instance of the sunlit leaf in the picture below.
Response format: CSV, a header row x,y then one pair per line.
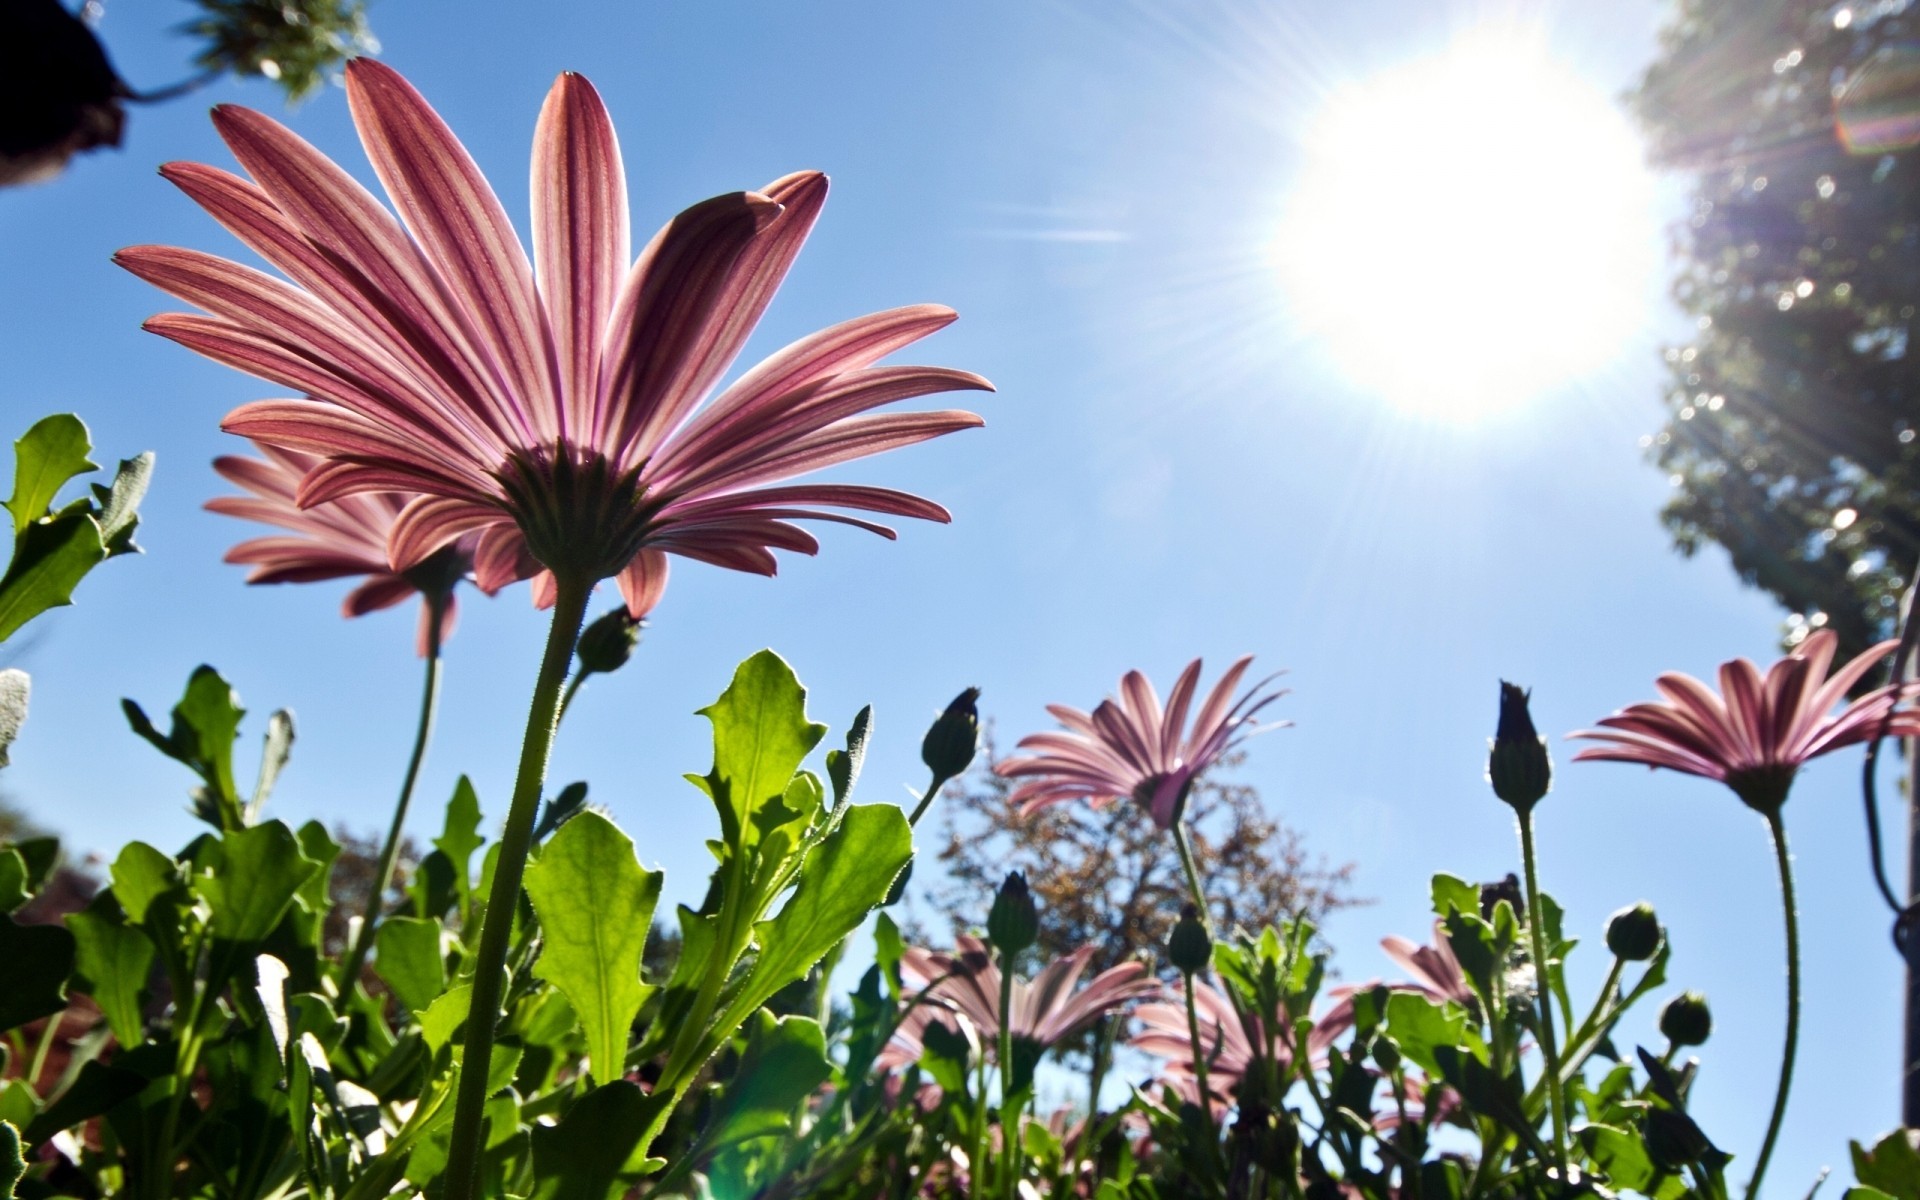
x,y
784,1062
45,458
760,736
594,1153
49,559
249,877
407,955
114,958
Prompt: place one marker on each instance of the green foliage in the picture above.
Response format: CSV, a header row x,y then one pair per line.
x,y
1891,1168
298,44
12,1166
206,723
53,549
1795,405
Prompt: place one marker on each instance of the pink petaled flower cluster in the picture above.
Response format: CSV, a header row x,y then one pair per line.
x,y
338,540
1757,733
1227,1041
549,408
1044,1012
1131,747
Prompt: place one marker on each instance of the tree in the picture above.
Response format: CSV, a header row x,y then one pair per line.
x,y
1793,437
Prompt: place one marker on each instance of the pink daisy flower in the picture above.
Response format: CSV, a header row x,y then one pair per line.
x,y
1131,747
550,407
342,539
1226,1039
1044,1011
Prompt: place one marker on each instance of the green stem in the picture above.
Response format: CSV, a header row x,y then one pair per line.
x,y
1009,1114
1543,992
463,1151
1785,862
1192,871
1199,1056
926,801
356,958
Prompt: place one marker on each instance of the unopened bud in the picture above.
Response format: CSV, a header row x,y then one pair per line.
x,y
1518,767
1633,933
608,642
1189,946
1686,1020
1508,889
950,744
1013,924
1386,1055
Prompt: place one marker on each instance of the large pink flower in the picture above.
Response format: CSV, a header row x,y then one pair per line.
x,y
1756,734
1226,1040
1130,746
337,540
1044,1011
551,407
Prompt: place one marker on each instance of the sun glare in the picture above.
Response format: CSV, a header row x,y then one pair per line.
x,y
1471,229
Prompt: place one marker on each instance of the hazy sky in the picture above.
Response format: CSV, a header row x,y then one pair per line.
x,y
1174,464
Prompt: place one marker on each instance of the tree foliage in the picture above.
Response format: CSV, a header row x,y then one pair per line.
x,y
1794,412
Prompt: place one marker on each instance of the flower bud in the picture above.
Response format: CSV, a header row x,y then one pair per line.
x,y
1508,889
1189,946
1686,1020
1633,933
1013,924
950,744
1518,768
1386,1055
607,643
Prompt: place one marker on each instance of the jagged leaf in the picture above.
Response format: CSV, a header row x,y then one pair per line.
x,y
45,458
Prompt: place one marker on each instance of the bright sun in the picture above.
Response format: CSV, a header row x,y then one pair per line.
x,y
1471,229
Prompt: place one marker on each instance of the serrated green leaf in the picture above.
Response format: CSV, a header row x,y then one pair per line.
x,y
15,690
595,905
1892,1166
1420,1026
845,877
443,1018
460,834
205,724
39,958
49,559
784,1062
594,1153
45,458
12,1166
407,956
140,876
760,736
115,959
248,879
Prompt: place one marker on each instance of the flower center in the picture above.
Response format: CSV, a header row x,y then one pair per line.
x,y
580,517
1764,788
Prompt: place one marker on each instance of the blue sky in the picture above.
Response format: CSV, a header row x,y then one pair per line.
x,y
1171,467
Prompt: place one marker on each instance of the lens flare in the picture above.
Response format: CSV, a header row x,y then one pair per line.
x,y
1878,112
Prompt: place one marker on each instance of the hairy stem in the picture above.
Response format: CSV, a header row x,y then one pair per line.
x,y
1009,1114
1792,1045
1192,870
463,1152
1199,1055
1556,1099
356,958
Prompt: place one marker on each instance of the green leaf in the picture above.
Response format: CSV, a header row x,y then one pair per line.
x,y
1420,1026
845,877
119,503
45,458
1620,1154
39,958
760,736
594,1153
1454,895
96,1089
42,855
115,959
248,878
460,836
443,1018
407,955
13,880
784,1062
1893,1166
12,1166
273,758
205,724
49,558
595,905
843,766
15,688
141,875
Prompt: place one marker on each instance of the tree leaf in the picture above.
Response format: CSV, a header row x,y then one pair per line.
x,y
784,1062
45,458
595,905
407,955
115,959
248,877
15,688
845,877
760,736
49,559
39,958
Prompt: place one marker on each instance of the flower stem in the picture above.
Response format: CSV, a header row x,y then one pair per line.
x,y
1010,1114
1192,870
1543,974
463,1152
1199,1057
1785,861
389,854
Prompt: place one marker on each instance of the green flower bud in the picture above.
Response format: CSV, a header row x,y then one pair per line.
x,y
1686,1020
949,746
1518,768
1633,933
1014,923
1189,947
1386,1055
607,643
